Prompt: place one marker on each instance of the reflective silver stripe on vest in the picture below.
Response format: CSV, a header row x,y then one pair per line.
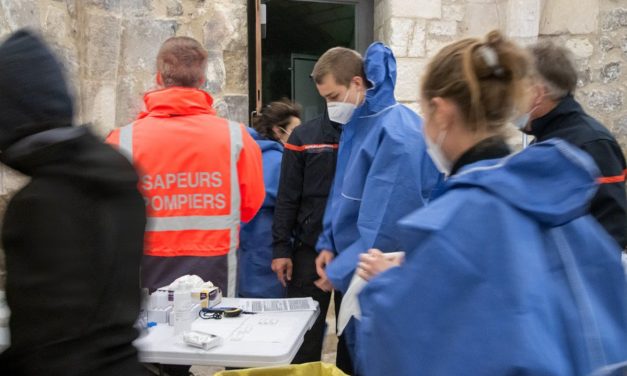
x,y
235,132
209,222
126,141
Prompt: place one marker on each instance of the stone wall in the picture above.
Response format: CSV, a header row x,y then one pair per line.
x,y
596,31
109,49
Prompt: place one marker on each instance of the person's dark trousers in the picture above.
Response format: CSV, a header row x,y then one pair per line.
x,y
176,370
302,285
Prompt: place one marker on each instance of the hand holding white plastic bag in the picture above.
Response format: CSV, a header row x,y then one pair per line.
x,y
350,302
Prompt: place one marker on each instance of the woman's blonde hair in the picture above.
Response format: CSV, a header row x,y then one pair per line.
x,y
485,78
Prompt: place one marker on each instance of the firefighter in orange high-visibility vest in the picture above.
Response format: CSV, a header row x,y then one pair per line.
x,y
200,174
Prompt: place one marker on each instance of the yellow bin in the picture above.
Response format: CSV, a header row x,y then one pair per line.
x,y
307,369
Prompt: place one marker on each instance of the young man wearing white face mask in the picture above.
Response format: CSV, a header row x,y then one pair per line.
x,y
383,171
307,170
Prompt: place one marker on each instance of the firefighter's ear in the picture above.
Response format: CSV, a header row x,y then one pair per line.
x,y
159,79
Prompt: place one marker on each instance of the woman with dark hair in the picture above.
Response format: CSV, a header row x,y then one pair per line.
x,y
271,129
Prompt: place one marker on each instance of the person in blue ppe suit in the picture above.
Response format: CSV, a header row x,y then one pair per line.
x,y
506,272
383,171
271,130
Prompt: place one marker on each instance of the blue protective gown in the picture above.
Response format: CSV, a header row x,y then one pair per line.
x,y
255,276
383,172
506,274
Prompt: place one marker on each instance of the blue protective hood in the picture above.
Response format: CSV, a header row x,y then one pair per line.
x,y
380,69
265,144
550,181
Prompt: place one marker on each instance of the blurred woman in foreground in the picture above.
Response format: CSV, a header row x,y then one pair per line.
x,y
505,272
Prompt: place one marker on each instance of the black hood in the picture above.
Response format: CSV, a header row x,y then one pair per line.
x,y
72,153
33,93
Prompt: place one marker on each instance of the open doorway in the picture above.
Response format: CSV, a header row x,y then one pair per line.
x,y
294,35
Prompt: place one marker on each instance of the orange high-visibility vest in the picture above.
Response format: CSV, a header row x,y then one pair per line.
x,y
199,174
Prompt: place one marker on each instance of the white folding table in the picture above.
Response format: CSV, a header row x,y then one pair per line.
x,y
250,340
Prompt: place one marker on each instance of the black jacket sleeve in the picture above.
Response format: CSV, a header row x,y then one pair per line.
x,y
609,206
288,197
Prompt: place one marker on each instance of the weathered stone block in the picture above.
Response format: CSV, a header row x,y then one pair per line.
x,y
129,97
19,14
580,47
141,41
99,104
610,72
56,24
443,28
68,56
436,44
102,46
621,122
522,18
238,107
174,8
379,35
606,44
237,75
382,13
416,8
124,7
218,31
227,28
417,43
604,101
480,19
563,16
221,107
614,19
408,79
619,130
216,73
453,12
397,34
584,72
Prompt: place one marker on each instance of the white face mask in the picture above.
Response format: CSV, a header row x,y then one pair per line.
x,y
435,152
341,112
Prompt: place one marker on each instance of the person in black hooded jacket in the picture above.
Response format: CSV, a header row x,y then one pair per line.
x,y
73,235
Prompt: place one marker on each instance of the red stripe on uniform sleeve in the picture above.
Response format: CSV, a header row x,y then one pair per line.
x,y
612,179
293,147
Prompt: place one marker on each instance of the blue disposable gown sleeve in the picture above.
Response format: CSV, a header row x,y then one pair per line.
x,y
325,240
418,336
271,176
396,184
